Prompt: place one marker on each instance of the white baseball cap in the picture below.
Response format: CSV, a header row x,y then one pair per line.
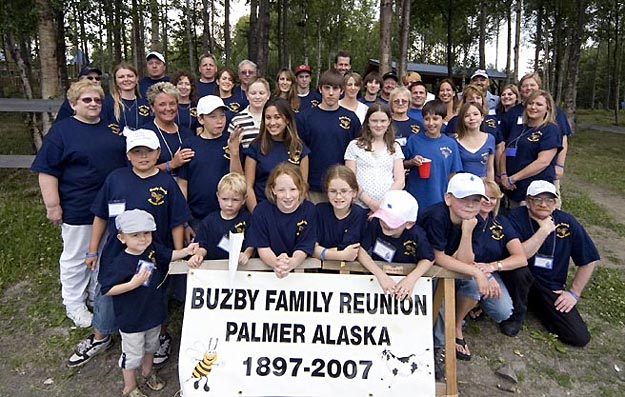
x,y
134,221
479,72
156,55
397,208
141,137
537,187
209,103
465,184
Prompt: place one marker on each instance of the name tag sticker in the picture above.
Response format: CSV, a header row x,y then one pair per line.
x,y
116,208
384,250
510,152
544,262
224,243
519,120
402,141
492,112
145,265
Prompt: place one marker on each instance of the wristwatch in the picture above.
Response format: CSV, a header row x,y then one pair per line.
x,y
499,266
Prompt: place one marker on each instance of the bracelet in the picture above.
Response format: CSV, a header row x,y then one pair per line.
x,y
573,294
510,181
94,255
560,165
503,174
167,167
323,254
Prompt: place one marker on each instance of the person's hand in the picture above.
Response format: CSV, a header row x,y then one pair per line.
x,y
494,290
55,214
417,160
486,268
196,260
91,262
181,157
189,235
404,288
559,172
234,141
468,225
282,266
139,278
374,205
350,253
243,259
192,249
565,302
505,181
386,283
546,224
483,286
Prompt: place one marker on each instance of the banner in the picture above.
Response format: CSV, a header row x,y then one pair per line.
x,y
308,334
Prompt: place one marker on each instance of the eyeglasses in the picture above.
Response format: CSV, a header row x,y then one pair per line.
x,y
94,78
88,100
342,192
248,72
542,200
400,101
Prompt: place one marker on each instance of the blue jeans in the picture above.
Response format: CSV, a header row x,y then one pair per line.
x,y
499,309
104,314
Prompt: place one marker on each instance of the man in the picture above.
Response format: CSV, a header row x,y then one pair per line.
x,y
389,83
156,68
372,84
307,97
551,238
208,70
419,93
480,79
87,72
343,62
247,73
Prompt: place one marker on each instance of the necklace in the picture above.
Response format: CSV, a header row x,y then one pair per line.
x,y
130,108
171,154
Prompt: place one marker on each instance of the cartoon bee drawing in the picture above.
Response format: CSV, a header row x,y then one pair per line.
x,y
203,368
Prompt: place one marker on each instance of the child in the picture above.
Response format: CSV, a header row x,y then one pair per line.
x,y
393,236
440,149
477,148
327,130
276,142
133,279
216,154
144,187
284,226
340,224
375,158
232,217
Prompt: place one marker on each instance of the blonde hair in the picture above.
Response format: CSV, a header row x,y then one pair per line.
x,y
234,182
287,169
118,104
161,88
494,187
80,87
550,117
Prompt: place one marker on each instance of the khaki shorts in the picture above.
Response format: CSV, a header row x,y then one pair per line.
x,y
135,345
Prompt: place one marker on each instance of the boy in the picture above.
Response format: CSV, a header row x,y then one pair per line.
x,y
440,149
327,130
134,279
231,217
393,236
216,154
142,186
308,98
372,88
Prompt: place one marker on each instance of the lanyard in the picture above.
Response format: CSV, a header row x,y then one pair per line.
x,y
553,249
171,154
515,141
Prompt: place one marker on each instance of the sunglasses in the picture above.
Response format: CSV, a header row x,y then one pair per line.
x,y
247,72
94,78
88,100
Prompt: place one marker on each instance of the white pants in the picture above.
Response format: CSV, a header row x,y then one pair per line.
x,y
78,282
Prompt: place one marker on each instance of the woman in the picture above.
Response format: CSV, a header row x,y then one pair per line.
x,y
187,100
448,94
163,99
286,88
123,105
531,149
508,99
403,125
226,80
353,84
277,142
76,156
249,119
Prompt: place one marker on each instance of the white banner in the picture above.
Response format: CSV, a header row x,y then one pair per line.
x,y
309,334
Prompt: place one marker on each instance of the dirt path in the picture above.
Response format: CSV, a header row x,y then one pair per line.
x,y
602,127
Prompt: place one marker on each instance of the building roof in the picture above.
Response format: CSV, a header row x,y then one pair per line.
x,y
427,69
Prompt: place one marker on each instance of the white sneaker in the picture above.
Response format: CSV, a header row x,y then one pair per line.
x,y
80,316
87,348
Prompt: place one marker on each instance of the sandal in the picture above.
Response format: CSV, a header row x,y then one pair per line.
x,y
476,314
134,393
154,382
462,354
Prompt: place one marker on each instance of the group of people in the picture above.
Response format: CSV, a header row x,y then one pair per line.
x,y
159,170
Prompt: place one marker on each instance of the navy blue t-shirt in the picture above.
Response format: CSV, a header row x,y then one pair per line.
x,y
514,117
204,89
170,143
234,105
240,96
215,228
147,82
133,114
327,134
404,129
490,125
311,100
279,153
284,233
333,232
442,234
145,307
80,156
569,241
187,116
490,238
410,247
210,163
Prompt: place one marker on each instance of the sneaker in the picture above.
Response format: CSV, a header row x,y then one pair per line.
x,y
153,381
80,316
439,364
162,354
87,348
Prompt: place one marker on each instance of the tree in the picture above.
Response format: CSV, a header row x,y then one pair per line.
x,y
47,59
386,14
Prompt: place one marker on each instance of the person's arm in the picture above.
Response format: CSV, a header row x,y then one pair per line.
x,y
350,253
490,167
386,283
196,260
180,158
406,285
533,244
97,231
499,156
304,166
245,256
250,178
183,184
297,259
568,299
49,186
561,159
453,264
189,250
137,280
399,175
234,145
465,252
177,234
535,167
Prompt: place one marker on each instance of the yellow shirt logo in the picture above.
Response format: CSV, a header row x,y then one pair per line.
x,y
157,195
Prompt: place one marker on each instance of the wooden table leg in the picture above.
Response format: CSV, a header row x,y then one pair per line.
x,y
450,336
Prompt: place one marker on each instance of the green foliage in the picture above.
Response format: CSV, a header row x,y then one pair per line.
x,y
604,297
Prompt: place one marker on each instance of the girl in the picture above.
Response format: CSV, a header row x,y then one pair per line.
x,y
123,105
226,80
249,118
187,100
532,148
277,142
508,99
448,94
353,84
375,158
340,224
477,148
286,88
284,227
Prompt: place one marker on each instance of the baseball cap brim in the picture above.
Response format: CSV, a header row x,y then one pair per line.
x,y
391,220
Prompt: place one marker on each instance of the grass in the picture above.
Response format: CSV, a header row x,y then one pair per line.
x,y
588,211
600,116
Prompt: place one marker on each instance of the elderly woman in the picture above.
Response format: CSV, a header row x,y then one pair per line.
x,y
163,99
124,106
404,126
76,156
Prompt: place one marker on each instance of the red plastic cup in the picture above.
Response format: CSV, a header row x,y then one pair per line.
x,y
424,168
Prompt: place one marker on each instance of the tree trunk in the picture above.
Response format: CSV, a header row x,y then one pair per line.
x,y
227,39
517,40
252,33
49,66
509,41
482,40
263,36
205,26
137,37
404,32
576,38
538,39
61,60
450,58
188,19
155,38
119,36
617,61
386,14
165,28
